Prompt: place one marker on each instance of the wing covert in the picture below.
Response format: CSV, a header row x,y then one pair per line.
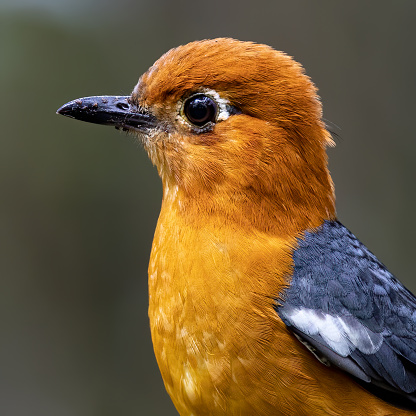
x,y
349,309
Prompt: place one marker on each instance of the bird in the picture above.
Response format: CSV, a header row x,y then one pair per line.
x,y
261,302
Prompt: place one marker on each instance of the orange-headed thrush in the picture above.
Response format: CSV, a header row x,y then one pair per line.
x,y
261,301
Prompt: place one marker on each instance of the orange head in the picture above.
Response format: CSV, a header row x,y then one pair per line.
x,y
234,129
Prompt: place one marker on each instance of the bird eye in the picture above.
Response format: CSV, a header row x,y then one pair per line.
x,y
200,110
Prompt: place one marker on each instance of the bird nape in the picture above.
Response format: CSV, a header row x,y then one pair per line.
x,y
260,301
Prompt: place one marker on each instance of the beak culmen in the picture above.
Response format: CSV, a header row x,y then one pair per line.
x,y
109,110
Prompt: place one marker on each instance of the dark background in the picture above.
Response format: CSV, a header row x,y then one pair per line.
x,y
79,202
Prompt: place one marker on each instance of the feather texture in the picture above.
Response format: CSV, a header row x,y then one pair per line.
x,y
341,297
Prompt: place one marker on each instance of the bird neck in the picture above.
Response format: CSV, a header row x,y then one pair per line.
x,y
265,212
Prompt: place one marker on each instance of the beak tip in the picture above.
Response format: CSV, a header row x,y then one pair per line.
x,y
66,109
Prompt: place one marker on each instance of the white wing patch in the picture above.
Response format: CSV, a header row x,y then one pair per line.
x,y
342,334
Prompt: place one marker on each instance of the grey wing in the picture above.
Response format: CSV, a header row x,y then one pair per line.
x,y
351,312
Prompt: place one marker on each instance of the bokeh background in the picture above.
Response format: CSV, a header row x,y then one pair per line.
x,y
79,202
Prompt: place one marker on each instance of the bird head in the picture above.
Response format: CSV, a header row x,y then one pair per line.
x,y
231,126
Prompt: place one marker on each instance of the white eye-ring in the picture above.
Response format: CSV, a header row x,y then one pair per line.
x,y
203,109
223,105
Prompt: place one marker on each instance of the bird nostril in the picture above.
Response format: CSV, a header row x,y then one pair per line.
x,y
122,106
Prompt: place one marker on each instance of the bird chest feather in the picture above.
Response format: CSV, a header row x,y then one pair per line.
x,y
213,291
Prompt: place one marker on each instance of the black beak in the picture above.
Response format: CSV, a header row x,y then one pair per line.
x,y
111,111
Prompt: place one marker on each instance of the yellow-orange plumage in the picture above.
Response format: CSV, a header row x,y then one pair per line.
x,y
222,248
236,196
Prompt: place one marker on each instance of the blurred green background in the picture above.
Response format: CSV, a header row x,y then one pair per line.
x,y
79,202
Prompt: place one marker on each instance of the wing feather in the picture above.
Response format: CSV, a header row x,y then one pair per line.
x,y
352,311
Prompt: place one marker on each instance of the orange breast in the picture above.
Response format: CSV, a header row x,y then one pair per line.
x,y
220,345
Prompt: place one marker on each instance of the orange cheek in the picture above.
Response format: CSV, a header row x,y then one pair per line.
x,y
238,153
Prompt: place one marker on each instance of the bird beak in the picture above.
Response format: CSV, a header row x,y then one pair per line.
x,y
111,111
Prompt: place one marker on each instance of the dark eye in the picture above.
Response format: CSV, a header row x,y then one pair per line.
x,y
200,110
